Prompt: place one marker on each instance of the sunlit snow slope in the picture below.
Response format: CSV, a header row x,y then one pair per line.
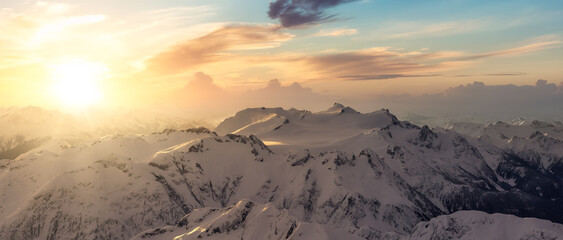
x,y
270,173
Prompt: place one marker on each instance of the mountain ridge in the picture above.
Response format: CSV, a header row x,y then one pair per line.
x,y
377,175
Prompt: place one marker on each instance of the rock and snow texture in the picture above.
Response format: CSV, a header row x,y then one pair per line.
x,y
96,190
332,173
245,220
473,225
249,220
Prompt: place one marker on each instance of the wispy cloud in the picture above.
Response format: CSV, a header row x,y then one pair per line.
x,y
415,29
43,26
220,51
383,76
384,63
506,74
378,64
510,74
336,32
516,51
212,47
25,33
61,24
53,7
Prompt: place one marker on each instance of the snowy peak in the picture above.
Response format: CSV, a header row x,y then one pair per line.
x,y
535,142
473,225
336,107
255,120
541,124
348,110
293,127
425,137
341,109
502,130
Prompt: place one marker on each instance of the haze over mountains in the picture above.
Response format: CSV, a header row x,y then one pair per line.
x,y
28,127
273,173
474,102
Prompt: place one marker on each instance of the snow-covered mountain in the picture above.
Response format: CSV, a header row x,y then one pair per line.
x,y
326,174
526,171
531,149
245,220
249,220
303,128
469,225
504,131
28,127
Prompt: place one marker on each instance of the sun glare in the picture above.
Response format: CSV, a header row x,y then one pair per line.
x,y
76,83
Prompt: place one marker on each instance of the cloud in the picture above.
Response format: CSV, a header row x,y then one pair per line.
x,y
383,76
513,74
35,34
299,13
222,53
275,87
29,35
275,94
213,47
506,74
30,38
378,64
52,7
274,84
383,63
63,23
412,29
336,32
202,84
525,49
478,101
202,96
475,101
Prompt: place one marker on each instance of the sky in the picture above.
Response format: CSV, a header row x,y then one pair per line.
x,y
223,55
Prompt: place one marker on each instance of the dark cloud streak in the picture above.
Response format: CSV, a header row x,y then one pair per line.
x,y
383,76
299,13
493,75
505,74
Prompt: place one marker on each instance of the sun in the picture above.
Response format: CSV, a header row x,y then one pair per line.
x,y
77,82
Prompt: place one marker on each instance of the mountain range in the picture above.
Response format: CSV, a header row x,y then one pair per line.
x,y
271,173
